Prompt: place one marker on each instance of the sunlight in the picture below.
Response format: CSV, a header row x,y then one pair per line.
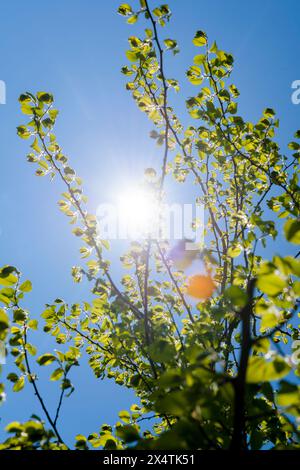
x,y
138,213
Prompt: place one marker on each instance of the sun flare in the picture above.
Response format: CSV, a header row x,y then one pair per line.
x,y
138,212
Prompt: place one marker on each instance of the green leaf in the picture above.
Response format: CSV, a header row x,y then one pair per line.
x,y
24,98
292,231
19,384
33,324
12,377
46,359
270,319
26,286
14,426
175,403
271,284
287,265
294,146
31,349
4,299
132,56
288,394
232,107
4,320
35,145
157,12
162,351
125,416
269,113
20,315
237,296
170,43
199,59
44,97
23,132
297,134
78,232
270,315
262,345
53,114
256,439
34,428
127,433
57,374
7,278
234,251
200,39
150,174
26,109
133,19
125,9
260,370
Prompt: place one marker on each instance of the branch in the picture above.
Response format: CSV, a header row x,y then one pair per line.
x,y
60,401
238,441
36,390
146,319
175,282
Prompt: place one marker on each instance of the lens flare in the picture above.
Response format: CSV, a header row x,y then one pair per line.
x,y
201,286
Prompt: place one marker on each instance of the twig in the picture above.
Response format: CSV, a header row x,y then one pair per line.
x,y
175,282
36,390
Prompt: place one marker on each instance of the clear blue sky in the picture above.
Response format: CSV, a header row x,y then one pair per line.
x,y
75,50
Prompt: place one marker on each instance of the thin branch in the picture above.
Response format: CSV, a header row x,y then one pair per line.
x,y
146,279
36,390
175,282
60,401
238,441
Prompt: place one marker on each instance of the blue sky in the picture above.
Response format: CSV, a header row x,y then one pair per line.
x,y
75,50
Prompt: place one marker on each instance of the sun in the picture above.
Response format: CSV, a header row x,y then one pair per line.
x,y
138,211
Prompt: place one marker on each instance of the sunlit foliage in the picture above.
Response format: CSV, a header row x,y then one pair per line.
x,y
208,375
